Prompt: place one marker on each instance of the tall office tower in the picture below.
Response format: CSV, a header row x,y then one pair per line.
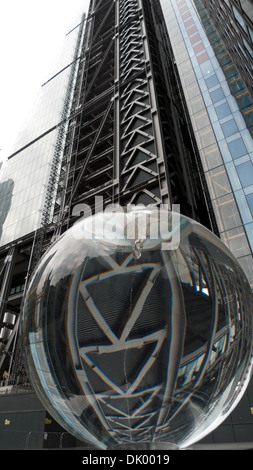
x,y
231,40
124,133
234,22
222,120
219,101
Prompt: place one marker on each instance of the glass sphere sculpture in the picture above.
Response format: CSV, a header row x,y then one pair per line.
x,y
138,338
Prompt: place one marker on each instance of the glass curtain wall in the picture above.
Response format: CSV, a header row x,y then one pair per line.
x,y
224,141
24,176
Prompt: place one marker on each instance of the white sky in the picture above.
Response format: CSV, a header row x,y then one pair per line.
x,y
31,34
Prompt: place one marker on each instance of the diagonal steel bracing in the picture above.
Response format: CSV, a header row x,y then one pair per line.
x,y
124,141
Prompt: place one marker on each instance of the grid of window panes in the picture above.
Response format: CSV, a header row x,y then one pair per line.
x,y
22,189
224,141
234,79
24,176
47,109
234,21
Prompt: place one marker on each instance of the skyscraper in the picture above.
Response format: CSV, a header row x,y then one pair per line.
x,y
220,108
234,22
223,135
147,118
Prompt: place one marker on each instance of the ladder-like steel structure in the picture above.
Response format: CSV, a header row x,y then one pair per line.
x,y
129,140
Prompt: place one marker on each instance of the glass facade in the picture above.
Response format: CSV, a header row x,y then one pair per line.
x,y
223,138
234,22
24,176
23,187
227,62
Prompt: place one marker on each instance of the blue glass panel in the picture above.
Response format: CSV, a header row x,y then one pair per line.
x,y
245,172
229,128
244,101
237,148
212,81
217,95
223,110
250,202
243,207
233,176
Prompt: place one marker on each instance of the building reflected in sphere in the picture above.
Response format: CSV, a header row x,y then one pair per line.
x,y
138,340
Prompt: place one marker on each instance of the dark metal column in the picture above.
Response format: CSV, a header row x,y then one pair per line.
x,y
144,177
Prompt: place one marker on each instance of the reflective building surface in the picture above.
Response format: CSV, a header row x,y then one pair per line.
x,y
36,149
22,200
223,135
129,347
234,20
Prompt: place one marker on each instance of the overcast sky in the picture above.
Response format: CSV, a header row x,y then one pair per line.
x,y
31,34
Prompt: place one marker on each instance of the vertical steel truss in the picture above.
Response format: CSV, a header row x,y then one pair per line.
x,y
141,161
125,138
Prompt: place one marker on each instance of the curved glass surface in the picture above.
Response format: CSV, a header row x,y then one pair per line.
x,y
138,339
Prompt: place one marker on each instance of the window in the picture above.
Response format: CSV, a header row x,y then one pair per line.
x,y
227,213
195,38
237,148
212,81
237,85
223,110
218,182
229,128
245,173
199,48
247,265
202,58
211,157
217,95
249,198
192,30
205,137
237,242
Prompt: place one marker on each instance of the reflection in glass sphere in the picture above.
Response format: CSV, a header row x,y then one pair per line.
x,y
138,338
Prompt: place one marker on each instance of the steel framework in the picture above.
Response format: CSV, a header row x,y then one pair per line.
x,y
124,137
129,140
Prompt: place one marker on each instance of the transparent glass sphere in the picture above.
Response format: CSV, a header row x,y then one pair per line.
x,y
138,330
